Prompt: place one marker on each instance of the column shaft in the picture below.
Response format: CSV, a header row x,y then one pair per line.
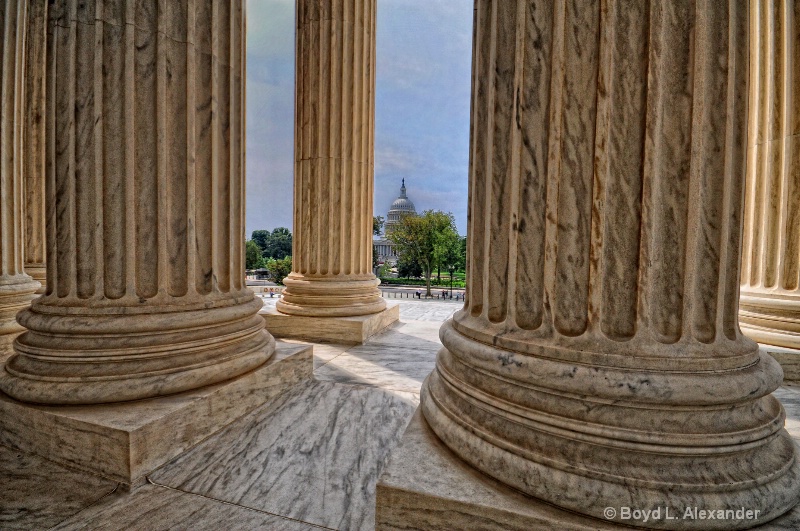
x,y
34,139
770,296
145,194
598,361
16,287
334,169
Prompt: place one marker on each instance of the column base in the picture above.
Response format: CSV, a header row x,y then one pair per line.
x,y
7,344
426,486
125,441
788,358
351,330
16,293
38,273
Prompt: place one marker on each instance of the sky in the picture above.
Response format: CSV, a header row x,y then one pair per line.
x,y
424,55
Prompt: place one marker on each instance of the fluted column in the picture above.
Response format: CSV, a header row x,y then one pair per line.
x,y
598,361
770,298
145,195
34,138
334,137
16,287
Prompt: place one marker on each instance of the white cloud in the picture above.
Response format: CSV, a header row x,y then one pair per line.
x,y
422,111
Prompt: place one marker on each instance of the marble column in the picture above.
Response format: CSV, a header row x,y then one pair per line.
x,y
334,166
598,361
770,292
16,287
34,160
145,207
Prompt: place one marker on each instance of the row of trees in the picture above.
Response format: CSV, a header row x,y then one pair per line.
x,y
271,251
426,243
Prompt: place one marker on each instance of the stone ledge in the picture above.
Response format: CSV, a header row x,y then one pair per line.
x,y
788,358
426,486
351,330
126,441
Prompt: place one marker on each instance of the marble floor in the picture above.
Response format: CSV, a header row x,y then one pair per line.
x,y
309,459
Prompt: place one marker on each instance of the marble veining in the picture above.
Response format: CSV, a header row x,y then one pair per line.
x,y
156,508
34,152
37,494
769,306
126,440
17,288
334,162
621,375
395,359
144,257
299,455
313,454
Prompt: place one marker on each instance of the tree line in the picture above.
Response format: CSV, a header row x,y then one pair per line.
x,y
426,243
271,251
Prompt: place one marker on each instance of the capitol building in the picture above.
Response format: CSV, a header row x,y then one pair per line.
x,y
401,207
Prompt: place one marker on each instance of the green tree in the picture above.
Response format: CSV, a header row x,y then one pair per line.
x,y
377,225
384,270
425,239
276,244
408,267
252,255
279,269
451,256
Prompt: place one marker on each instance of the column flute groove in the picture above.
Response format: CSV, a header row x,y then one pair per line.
x,y
597,362
332,256
770,281
34,141
17,288
144,297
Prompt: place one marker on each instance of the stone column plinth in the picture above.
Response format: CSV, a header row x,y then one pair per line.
x,y
145,194
332,272
16,287
770,292
34,139
598,361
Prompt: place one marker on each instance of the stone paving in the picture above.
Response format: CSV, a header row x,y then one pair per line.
x,y
307,460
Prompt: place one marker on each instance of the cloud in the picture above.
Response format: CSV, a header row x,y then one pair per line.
x,y
422,107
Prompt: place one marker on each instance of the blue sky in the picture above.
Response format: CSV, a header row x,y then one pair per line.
x,y
422,107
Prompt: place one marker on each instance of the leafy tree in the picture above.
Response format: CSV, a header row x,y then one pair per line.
x,y
425,239
408,268
374,256
279,269
261,237
252,255
384,270
276,244
452,256
377,225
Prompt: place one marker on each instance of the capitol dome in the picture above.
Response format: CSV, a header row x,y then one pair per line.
x,y
402,206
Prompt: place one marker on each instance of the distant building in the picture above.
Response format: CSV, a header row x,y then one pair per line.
x,y
401,207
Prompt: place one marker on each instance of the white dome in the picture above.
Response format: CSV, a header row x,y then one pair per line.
x,y
401,207
404,204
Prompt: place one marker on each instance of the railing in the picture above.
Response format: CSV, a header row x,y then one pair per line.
x,y
449,296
